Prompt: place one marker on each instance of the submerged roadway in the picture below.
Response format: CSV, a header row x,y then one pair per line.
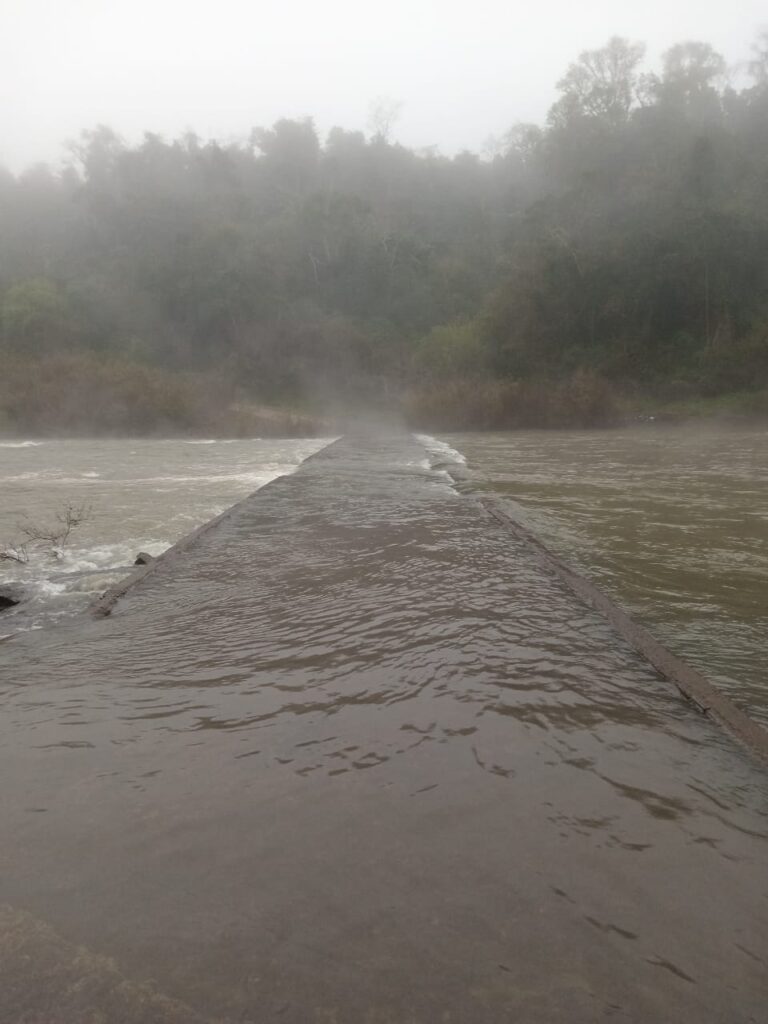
x,y
354,756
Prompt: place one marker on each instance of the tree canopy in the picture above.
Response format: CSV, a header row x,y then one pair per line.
x,y
624,243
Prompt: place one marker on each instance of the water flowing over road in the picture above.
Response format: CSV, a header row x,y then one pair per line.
x,y
138,495
356,756
671,521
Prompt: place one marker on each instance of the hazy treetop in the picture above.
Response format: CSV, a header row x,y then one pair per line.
x,y
462,72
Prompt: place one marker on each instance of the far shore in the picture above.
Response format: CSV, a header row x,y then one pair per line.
x,y
247,421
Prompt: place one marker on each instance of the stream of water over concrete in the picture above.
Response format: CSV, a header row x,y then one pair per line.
x,y
671,521
357,757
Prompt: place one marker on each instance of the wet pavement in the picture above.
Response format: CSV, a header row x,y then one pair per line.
x,y
357,757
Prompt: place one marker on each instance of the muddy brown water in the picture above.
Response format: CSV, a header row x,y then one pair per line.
x,y
357,757
137,495
671,521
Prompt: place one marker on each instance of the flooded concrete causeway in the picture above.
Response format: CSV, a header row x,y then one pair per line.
x,y
356,757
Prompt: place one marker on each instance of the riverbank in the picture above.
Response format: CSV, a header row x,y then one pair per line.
x,y
239,421
740,408
84,394
583,401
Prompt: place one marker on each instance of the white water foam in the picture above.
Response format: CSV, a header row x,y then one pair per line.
x,y
22,477
21,444
155,507
256,477
107,556
440,451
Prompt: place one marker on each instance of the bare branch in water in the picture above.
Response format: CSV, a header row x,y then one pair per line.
x,y
67,519
53,535
15,553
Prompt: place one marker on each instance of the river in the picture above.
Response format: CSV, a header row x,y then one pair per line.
x,y
672,522
356,756
138,495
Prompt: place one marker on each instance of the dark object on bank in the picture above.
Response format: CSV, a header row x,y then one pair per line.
x,y
143,558
11,594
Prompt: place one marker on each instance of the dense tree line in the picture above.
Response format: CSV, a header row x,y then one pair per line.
x,y
619,250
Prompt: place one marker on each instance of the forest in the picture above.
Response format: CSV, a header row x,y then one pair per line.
x,y
609,264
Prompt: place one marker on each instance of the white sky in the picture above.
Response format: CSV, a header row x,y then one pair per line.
x,y
464,71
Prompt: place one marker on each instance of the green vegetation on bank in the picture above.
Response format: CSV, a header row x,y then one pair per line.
x,y
79,392
610,263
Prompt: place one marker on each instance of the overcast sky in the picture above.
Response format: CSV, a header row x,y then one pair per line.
x,y
463,71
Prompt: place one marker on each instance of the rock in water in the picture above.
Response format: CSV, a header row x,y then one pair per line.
x,y
11,594
143,558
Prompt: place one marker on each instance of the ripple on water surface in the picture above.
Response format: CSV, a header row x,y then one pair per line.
x,y
356,755
140,496
671,522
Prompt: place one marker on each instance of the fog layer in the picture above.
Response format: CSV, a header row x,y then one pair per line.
x,y
603,262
